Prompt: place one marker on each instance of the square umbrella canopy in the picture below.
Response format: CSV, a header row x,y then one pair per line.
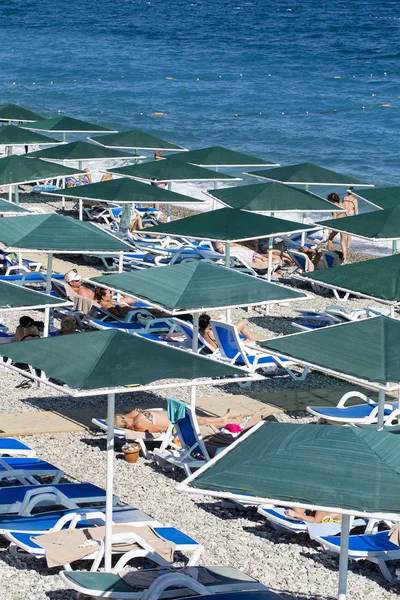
x,y
10,208
272,197
334,469
135,140
170,170
387,197
101,363
80,151
11,135
307,174
17,297
229,225
382,225
218,156
125,190
378,278
13,112
15,170
196,287
65,124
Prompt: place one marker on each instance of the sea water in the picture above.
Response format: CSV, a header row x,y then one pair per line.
x,y
291,81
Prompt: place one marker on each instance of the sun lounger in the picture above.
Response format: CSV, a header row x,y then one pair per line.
x,y
23,499
109,585
155,542
376,548
277,518
13,447
358,414
64,519
12,264
234,351
137,436
26,470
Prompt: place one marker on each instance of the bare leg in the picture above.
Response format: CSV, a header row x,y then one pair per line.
x,y
343,244
243,328
219,421
332,235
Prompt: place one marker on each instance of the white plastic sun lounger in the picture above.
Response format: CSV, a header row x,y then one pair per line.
x,y
109,585
277,518
23,499
359,414
13,447
26,470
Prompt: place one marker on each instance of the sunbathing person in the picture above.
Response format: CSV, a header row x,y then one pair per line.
x,y
74,280
67,326
316,257
313,516
242,327
135,224
251,257
26,330
105,298
156,421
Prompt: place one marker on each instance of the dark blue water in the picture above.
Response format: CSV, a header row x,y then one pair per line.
x,y
297,73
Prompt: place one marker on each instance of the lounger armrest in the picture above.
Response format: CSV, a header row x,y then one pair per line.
x,y
173,580
354,394
395,414
375,411
34,497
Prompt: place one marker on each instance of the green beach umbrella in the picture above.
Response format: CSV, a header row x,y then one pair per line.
x,y
378,278
217,156
272,197
379,225
66,125
307,174
334,469
387,197
195,287
17,297
171,170
101,363
10,208
135,140
13,112
79,151
11,135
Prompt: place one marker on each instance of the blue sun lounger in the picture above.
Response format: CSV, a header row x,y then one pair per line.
x,y
359,414
183,543
277,518
23,500
376,548
63,519
109,585
13,447
25,470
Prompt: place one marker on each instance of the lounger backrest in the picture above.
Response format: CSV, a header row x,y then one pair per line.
x,y
228,341
301,260
116,212
329,259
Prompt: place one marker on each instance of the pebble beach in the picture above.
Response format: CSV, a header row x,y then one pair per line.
x,y
289,564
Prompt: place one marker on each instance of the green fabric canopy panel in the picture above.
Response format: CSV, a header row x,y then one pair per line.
x,y
13,112
376,225
80,151
54,233
110,359
171,170
306,173
125,190
344,467
19,169
272,197
10,208
230,225
376,278
16,296
65,124
217,156
18,136
196,286
387,197
368,349
135,140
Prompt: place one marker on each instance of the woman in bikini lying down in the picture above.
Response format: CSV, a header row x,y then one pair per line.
x,y
156,421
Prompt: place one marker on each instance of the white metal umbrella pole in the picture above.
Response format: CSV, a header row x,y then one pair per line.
x,y
381,409
344,557
80,209
227,255
270,246
16,194
48,290
195,339
121,263
63,187
109,481
10,193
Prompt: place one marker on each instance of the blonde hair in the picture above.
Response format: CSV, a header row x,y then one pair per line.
x,y
158,154
68,324
106,177
120,421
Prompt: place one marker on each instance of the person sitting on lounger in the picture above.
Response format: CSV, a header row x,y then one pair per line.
x,y
136,223
26,330
105,299
156,421
251,257
74,280
313,516
242,327
316,257
68,326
